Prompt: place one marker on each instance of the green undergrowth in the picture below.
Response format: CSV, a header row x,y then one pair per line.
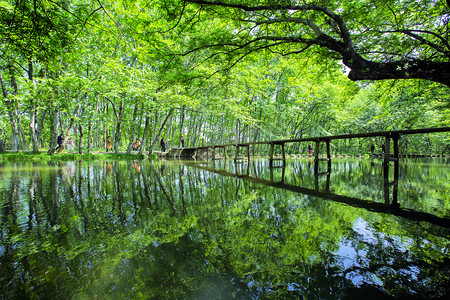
x,y
22,156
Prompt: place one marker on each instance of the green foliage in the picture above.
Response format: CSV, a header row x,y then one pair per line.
x,y
130,52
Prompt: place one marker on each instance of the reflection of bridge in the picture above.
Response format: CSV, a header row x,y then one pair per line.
x,y
388,135
386,207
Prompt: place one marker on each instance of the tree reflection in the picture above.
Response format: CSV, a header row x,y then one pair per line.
x,y
109,229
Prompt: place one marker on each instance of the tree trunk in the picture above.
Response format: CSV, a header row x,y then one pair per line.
x,y
12,115
157,138
89,135
80,139
133,128
181,125
144,137
54,139
169,131
118,134
22,135
156,126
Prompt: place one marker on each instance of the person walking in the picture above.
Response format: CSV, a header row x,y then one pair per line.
x,y
108,144
182,141
310,149
163,145
70,144
60,141
136,144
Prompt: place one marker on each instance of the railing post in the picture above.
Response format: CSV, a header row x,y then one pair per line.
x,y
284,154
236,155
316,157
328,155
248,152
271,155
386,183
396,152
387,147
214,153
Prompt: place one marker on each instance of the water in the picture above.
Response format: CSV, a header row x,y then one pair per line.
x,y
197,230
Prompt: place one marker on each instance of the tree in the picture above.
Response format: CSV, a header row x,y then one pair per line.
x,y
375,40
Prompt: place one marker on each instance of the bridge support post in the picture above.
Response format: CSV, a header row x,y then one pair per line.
x,y
316,157
284,154
271,155
386,183
387,147
394,203
396,152
236,154
328,155
248,152
214,153
225,152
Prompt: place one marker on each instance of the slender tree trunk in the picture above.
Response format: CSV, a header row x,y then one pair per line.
x,y
89,135
12,113
80,139
34,125
22,135
181,125
144,137
141,115
133,128
54,139
118,134
33,132
169,131
158,137
118,115
156,126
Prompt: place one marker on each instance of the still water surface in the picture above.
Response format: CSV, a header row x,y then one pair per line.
x,y
197,230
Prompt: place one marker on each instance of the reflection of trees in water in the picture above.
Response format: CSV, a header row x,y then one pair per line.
x,y
186,232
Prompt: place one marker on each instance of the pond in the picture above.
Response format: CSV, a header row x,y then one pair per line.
x,y
224,230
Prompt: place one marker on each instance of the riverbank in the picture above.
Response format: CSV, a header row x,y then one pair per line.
x,y
93,155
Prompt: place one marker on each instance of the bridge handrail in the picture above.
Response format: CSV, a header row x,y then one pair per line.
x,y
330,137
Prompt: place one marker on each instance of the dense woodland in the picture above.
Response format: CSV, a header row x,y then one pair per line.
x,y
222,72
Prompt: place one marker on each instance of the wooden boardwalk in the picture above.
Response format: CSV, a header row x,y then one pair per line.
x,y
390,136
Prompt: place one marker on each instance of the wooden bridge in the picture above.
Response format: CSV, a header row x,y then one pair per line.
x,y
389,136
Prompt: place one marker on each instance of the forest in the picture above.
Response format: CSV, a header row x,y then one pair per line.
x,y
220,72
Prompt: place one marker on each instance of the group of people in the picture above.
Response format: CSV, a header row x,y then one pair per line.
x,y
163,143
60,142
137,144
